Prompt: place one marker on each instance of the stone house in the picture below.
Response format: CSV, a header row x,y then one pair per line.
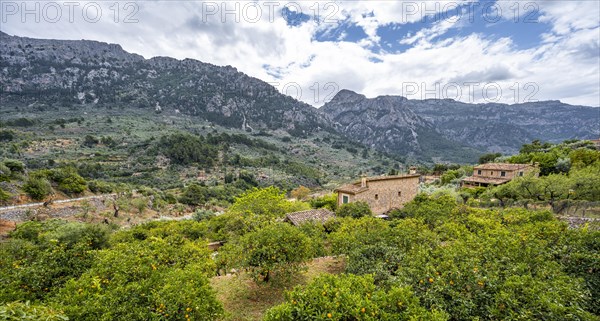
x,y
382,193
496,174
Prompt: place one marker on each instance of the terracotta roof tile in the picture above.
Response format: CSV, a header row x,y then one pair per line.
x,y
317,215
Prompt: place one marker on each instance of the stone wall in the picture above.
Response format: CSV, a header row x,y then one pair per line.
x,y
384,195
52,211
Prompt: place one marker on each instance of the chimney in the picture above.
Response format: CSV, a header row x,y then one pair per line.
x,y
412,170
363,181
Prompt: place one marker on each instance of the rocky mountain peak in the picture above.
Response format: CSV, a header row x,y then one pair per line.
x,y
346,95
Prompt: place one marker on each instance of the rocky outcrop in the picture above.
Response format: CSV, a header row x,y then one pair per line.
x,y
444,126
387,123
53,74
59,73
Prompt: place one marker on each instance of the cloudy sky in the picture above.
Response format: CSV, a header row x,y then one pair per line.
x,y
505,51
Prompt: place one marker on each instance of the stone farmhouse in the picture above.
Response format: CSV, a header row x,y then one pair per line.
x,y
496,174
382,193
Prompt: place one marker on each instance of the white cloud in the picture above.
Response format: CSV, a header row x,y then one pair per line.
x,y
564,66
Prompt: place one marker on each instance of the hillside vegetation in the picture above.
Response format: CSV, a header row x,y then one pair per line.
x,y
441,260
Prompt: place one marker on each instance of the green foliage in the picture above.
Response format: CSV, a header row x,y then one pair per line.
x,y
579,257
17,311
559,158
474,263
354,210
328,201
350,297
194,194
380,260
21,122
188,230
5,173
202,215
90,141
4,196
140,204
231,226
41,257
581,184
100,187
277,249
488,158
144,280
433,209
7,135
449,177
268,201
366,230
68,180
186,149
15,165
73,184
37,187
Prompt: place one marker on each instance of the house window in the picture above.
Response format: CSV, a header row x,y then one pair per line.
x,y
376,196
345,199
520,173
478,172
399,194
503,174
492,174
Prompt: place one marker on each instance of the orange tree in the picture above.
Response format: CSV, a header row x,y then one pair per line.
x,y
277,248
154,279
476,263
350,297
41,256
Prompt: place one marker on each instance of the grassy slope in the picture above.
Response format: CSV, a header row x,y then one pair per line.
x,y
244,300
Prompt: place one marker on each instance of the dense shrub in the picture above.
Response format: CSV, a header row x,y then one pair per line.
x,y
268,201
4,196
194,194
434,209
327,201
90,141
186,149
350,297
7,135
5,173
15,165
354,210
202,215
37,188
68,180
41,257
380,260
100,187
145,280
277,249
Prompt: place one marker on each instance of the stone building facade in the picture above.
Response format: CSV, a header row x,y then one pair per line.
x,y
381,193
496,174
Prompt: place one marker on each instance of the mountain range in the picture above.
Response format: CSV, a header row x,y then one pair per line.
x,y
53,74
